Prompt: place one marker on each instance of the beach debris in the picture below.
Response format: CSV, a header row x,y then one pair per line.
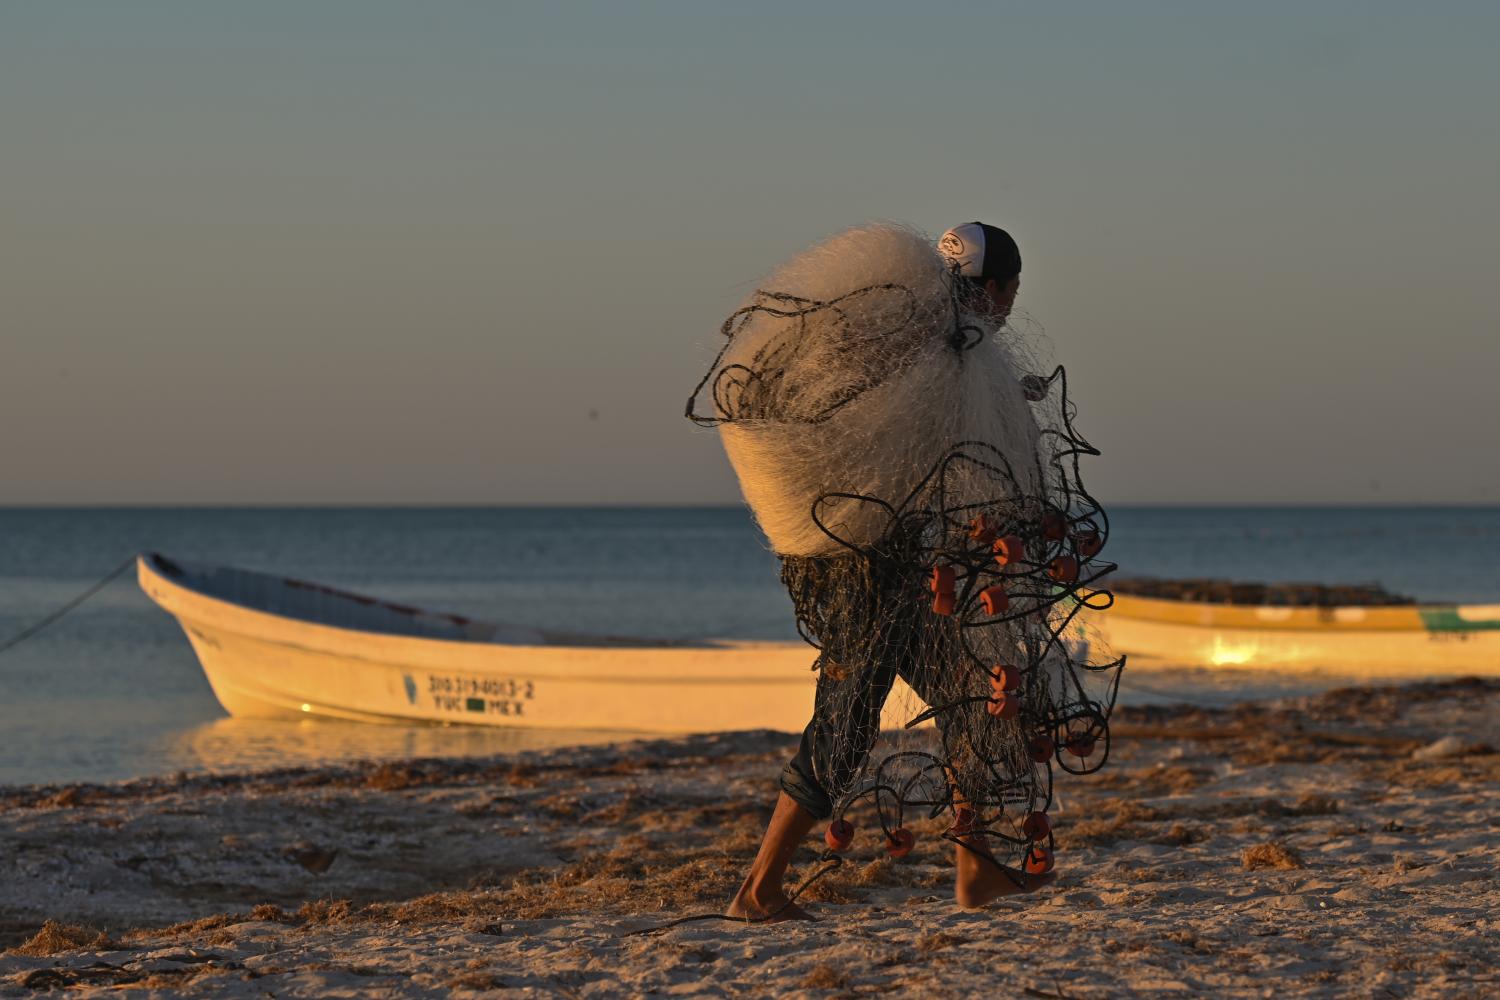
x,y
271,913
46,979
825,977
1272,854
1181,835
310,856
65,799
479,925
101,974
937,941
394,776
327,911
56,937
1448,746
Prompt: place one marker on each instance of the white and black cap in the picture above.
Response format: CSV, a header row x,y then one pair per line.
x,y
979,251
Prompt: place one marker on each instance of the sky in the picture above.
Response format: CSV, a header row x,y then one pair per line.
x,y
389,253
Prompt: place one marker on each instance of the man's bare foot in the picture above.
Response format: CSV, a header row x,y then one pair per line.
x,y
761,896
981,880
992,883
767,908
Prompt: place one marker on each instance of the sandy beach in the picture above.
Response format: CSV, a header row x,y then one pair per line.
x,y
1338,845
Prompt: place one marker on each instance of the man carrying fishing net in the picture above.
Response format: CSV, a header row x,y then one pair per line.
x,y
918,480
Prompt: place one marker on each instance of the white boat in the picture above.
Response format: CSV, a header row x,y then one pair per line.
x,y
276,648
1395,641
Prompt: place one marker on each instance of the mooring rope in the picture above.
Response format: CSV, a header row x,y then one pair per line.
x,y
100,584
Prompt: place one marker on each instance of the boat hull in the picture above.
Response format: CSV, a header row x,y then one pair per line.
x,y
1404,642
271,666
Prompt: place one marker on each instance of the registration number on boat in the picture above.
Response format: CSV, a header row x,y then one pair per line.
x,y
507,696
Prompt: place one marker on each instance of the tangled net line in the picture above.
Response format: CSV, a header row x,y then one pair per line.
x,y
970,589
989,591
759,388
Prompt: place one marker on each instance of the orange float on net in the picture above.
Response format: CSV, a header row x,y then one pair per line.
x,y
1088,543
1009,550
1063,569
1036,826
942,603
1041,749
1080,746
982,529
840,835
900,842
1039,860
1004,706
964,819
1004,677
1054,526
943,579
994,600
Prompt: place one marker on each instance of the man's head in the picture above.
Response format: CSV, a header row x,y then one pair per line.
x,y
988,258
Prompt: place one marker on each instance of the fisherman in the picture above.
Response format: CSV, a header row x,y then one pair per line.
x,y
846,715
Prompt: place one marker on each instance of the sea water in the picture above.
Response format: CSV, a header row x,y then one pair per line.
x,y
114,691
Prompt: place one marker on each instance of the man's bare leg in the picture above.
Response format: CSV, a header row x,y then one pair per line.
x,y
981,881
763,892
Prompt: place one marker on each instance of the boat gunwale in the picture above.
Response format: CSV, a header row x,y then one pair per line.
x,y
339,638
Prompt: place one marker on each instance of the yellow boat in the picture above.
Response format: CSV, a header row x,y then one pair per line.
x,y
1386,639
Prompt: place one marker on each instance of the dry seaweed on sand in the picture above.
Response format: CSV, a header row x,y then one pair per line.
x,y
1397,892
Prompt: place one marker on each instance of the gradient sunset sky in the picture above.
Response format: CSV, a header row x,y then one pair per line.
x,y
367,252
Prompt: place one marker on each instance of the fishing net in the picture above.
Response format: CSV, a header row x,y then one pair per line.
x,y
920,483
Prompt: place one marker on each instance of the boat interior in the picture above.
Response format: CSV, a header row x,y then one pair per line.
x,y
1297,595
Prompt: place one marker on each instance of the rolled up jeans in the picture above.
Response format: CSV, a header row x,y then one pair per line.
x,y
878,640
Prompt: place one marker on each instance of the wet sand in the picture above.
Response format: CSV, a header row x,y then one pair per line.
x,y
1344,844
